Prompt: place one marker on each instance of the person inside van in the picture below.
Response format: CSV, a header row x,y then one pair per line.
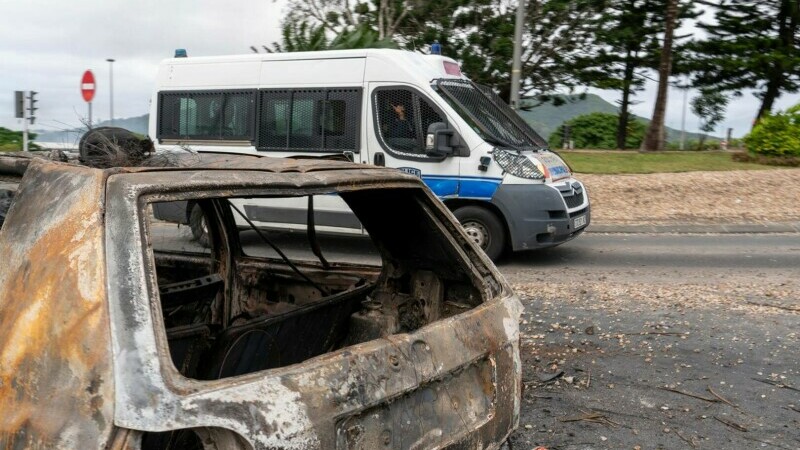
x,y
400,133
401,126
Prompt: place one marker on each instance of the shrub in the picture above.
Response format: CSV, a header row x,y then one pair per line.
x,y
776,134
599,130
11,141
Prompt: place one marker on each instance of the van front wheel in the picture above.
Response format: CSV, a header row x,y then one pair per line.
x,y
484,228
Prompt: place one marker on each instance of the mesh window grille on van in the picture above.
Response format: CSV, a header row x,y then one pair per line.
x,y
207,115
402,118
310,119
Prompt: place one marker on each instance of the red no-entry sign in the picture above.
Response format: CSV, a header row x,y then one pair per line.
x,y
87,86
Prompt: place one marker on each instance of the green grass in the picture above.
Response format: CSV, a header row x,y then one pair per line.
x,y
610,162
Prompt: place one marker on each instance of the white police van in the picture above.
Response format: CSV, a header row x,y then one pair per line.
x,y
417,113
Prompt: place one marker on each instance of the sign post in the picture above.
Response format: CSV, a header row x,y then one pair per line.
x,y
24,122
87,91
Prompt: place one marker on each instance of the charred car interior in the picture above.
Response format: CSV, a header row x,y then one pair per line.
x,y
227,313
142,338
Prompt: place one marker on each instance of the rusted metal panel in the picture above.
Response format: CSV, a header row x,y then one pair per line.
x,y
56,384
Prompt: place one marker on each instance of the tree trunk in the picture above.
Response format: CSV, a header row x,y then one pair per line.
x,y
787,27
622,125
772,93
384,5
654,139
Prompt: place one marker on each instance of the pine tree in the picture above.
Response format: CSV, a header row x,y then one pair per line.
x,y
478,33
625,38
751,44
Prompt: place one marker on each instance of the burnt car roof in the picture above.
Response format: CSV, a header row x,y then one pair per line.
x,y
16,164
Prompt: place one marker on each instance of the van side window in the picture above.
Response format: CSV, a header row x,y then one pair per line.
x,y
310,119
402,118
206,115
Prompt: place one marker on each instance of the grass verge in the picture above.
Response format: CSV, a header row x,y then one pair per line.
x,y
613,162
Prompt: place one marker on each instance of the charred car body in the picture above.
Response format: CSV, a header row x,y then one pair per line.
x,y
110,338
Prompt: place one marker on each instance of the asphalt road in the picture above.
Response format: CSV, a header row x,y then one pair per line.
x,y
655,256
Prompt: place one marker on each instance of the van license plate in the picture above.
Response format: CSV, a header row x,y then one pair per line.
x,y
578,222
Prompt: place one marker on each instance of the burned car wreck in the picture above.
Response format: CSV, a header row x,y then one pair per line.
x,y
114,335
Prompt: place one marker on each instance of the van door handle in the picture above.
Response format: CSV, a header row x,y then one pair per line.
x,y
379,159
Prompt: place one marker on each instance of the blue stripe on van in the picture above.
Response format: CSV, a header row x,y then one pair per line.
x,y
469,187
441,186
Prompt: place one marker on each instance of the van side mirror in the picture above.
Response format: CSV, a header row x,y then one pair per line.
x,y
441,141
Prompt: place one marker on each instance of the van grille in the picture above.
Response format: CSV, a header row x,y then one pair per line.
x,y
573,201
579,212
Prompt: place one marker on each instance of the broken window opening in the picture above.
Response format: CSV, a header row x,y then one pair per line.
x,y
238,307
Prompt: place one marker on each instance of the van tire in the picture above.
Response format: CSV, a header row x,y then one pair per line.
x,y
484,228
197,222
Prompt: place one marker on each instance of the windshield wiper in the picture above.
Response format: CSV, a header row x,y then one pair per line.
x,y
498,142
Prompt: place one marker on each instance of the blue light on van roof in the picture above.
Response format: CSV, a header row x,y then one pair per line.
x,y
436,48
180,53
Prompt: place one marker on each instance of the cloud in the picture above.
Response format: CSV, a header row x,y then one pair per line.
x,y
47,45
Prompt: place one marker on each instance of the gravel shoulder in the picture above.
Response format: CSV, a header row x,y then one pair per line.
x,y
742,196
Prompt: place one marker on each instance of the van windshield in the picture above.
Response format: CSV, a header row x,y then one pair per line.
x,y
493,120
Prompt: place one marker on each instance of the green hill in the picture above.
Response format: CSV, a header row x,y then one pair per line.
x,y
546,118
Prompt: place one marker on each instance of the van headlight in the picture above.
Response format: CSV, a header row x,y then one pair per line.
x,y
518,165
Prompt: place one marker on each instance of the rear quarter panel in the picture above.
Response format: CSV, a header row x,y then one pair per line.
x,y
56,384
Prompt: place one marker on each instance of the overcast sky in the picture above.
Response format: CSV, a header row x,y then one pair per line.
x,y
46,46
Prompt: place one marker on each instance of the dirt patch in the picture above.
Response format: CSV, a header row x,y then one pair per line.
x,y
743,196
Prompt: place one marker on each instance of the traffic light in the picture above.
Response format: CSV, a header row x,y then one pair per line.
x,y
32,105
19,104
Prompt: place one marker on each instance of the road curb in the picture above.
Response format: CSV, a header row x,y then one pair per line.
x,y
693,228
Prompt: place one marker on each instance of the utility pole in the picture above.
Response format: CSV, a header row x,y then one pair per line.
x,y
683,117
25,109
516,65
21,112
111,88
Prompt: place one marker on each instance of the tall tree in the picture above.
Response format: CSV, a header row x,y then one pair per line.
x,y
655,138
305,37
751,45
478,33
625,38
342,16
